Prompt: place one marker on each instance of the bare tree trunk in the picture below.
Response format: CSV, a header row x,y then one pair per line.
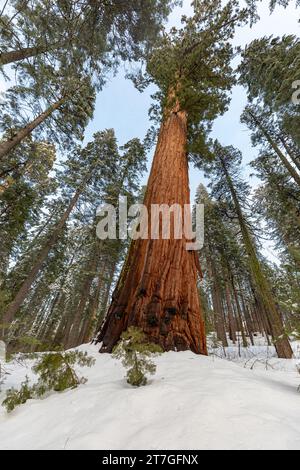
x,y
232,322
13,308
248,319
292,154
219,317
7,146
260,282
104,301
240,315
90,325
73,339
10,57
294,174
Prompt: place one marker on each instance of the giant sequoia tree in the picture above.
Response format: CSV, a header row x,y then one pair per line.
x,y
157,290
228,185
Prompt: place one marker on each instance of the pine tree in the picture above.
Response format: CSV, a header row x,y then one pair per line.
x,y
268,70
226,275
24,188
95,172
68,296
228,185
157,291
272,5
266,134
71,60
69,106
85,29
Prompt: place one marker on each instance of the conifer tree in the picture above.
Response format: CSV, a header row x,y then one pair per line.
x,y
68,296
71,60
278,201
269,70
136,354
253,4
228,185
61,110
85,29
266,134
96,170
226,275
24,188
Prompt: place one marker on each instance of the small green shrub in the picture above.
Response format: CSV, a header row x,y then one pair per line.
x,y
135,353
55,372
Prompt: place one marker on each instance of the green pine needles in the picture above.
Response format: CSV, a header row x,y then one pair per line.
x,y
136,353
55,371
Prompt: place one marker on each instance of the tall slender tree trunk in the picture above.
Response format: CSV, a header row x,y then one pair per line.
x,y
61,324
10,57
258,316
157,290
13,308
292,171
7,146
88,330
219,316
45,329
261,284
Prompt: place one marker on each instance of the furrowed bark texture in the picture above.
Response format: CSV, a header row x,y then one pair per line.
x,y
157,290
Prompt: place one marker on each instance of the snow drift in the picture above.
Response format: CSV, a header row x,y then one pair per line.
x,y
193,402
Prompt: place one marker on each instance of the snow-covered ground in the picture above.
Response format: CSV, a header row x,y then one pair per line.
x,y
192,403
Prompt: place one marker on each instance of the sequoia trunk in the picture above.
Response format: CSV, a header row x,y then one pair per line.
x,y
157,290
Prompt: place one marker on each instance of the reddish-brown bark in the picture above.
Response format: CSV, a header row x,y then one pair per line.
x,y
157,290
